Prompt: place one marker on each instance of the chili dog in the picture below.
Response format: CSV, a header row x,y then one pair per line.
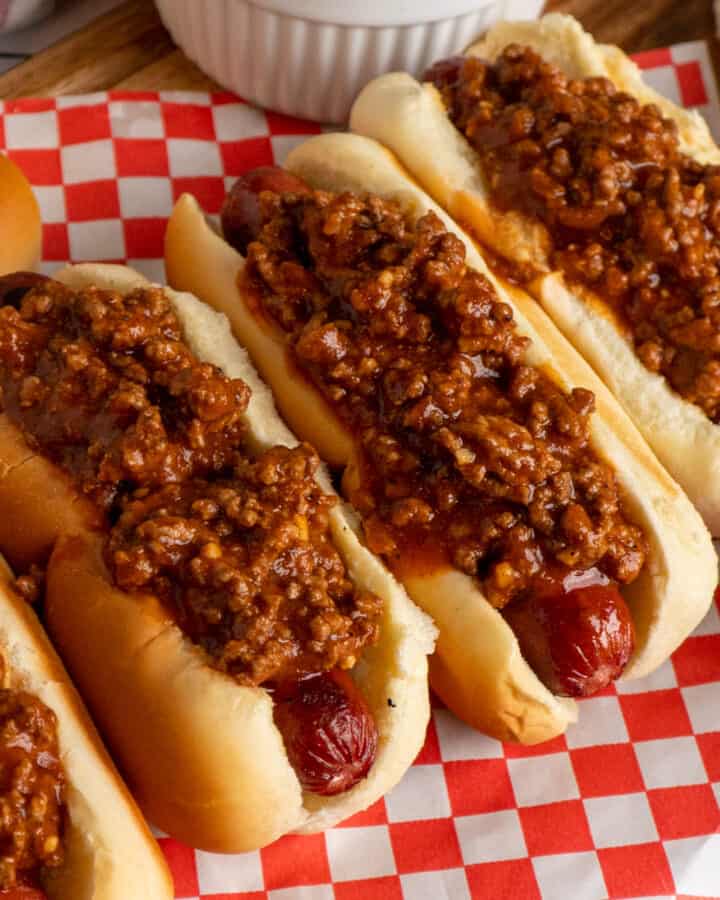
x,y
70,830
603,196
550,547
253,668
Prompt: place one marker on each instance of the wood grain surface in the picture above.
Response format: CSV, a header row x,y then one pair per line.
x,y
128,48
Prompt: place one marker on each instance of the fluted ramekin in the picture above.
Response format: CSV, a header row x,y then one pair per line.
x,y
310,58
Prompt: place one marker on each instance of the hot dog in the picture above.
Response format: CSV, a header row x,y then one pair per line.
x,y
602,195
465,432
253,668
69,829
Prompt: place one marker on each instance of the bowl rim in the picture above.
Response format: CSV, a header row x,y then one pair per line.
x,y
372,13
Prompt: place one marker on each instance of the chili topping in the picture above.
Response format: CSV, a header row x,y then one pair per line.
x,y
468,455
105,386
32,790
629,214
248,564
239,548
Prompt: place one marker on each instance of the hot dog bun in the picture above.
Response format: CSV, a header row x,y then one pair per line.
x,y
20,229
110,853
28,531
478,669
202,753
410,119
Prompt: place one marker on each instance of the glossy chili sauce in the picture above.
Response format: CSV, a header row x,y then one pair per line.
x,y
629,214
248,564
469,457
239,548
32,793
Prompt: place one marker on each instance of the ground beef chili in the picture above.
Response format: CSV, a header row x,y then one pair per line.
x,y
239,548
32,791
236,559
105,386
467,455
629,214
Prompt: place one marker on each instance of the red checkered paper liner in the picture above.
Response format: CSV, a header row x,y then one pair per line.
x,y
624,805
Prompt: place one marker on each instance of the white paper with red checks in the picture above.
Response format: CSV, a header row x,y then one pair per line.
x,y
625,805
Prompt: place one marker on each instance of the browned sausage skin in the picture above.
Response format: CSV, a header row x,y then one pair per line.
x,y
578,640
570,618
240,216
15,285
329,733
444,71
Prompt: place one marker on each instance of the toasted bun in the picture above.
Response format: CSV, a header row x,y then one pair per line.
x,y
202,753
264,342
110,853
29,529
485,680
411,120
20,229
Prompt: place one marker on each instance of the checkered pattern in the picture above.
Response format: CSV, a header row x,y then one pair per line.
x,y
107,168
683,74
625,805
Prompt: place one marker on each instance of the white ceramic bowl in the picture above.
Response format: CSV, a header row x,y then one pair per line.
x,y
310,58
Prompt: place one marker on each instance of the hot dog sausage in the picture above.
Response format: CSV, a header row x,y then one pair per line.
x,y
577,641
329,732
240,216
444,71
14,286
